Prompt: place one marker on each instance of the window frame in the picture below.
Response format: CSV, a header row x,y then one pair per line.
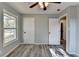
x,y
16,17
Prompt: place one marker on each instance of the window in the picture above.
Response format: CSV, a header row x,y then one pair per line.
x,y
9,25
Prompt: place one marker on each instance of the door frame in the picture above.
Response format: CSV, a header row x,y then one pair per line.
x,y
67,28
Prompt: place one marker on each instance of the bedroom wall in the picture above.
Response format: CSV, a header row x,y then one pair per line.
x,y
41,27
77,30
71,28
4,50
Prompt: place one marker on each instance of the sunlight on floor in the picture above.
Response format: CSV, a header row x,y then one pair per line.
x,y
60,52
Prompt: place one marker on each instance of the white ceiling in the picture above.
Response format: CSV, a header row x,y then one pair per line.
x,y
23,7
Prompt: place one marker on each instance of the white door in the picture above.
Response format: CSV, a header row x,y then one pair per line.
x,y
28,30
54,31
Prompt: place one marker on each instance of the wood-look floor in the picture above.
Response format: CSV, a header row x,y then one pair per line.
x,y
31,51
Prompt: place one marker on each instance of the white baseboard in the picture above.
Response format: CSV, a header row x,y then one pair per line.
x,y
11,50
34,43
39,43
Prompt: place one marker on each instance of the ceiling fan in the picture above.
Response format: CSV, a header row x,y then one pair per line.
x,y
43,5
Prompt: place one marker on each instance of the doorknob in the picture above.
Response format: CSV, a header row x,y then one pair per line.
x,y
49,32
24,32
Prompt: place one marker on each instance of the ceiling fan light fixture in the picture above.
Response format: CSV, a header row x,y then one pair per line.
x,y
41,4
46,4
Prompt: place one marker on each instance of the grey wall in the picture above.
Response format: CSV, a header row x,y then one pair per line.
x,y
41,27
4,50
77,45
73,19
71,24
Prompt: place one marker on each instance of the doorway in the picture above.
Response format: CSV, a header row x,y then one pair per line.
x,y
63,32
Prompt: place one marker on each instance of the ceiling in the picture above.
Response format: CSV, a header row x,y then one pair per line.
x,y
23,7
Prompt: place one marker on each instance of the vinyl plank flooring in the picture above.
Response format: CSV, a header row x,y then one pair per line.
x,y
29,50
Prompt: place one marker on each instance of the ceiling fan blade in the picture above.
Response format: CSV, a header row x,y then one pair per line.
x,y
44,6
33,5
55,2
